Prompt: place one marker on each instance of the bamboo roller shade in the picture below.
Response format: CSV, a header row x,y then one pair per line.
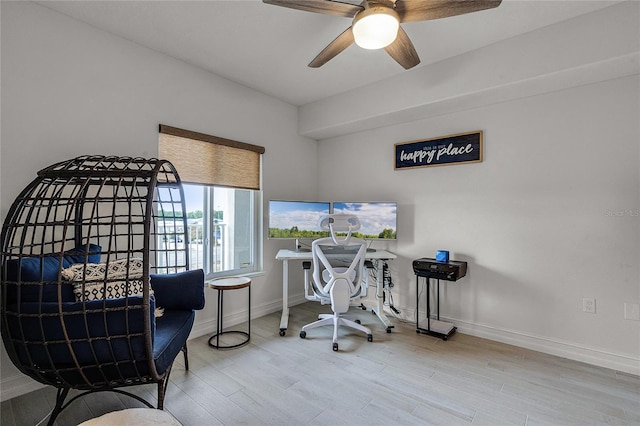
x,y
211,160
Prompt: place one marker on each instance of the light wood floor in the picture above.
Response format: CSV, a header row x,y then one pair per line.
x,y
401,378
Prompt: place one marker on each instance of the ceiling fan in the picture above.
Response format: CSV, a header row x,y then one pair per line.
x,y
376,23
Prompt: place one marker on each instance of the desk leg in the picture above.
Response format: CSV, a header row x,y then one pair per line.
x,y
379,310
284,319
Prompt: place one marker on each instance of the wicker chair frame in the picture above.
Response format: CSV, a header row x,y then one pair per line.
x,y
130,208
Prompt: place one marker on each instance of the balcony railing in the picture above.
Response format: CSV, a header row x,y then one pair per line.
x,y
198,245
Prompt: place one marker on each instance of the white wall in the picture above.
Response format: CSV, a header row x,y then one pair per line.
x,y
550,216
69,89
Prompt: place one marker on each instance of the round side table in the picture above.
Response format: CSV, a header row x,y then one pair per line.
x,y
222,285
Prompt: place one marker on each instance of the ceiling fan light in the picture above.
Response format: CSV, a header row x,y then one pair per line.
x,y
375,27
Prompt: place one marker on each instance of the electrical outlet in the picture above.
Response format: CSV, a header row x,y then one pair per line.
x,y
589,305
632,311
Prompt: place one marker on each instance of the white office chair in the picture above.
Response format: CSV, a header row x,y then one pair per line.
x,y
339,274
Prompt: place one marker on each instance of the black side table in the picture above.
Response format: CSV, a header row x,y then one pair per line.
x,y
222,285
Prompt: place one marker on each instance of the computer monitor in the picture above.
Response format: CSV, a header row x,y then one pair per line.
x,y
297,219
378,219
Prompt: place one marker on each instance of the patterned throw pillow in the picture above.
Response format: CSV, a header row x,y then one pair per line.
x,y
114,274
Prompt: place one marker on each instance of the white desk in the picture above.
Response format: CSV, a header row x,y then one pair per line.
x,y
286,255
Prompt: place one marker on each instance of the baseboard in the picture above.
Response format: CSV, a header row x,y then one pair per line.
x,y
238,317
618,362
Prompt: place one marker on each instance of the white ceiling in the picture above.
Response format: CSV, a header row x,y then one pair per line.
x,y
268,47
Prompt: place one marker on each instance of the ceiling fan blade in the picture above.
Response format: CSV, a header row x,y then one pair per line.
x,y
402,50
341,42
425,10
326,7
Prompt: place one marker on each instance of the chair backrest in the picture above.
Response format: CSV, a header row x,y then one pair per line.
x,y
339,258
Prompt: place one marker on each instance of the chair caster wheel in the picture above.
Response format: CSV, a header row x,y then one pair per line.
x,y
369,337
282,332
358,322
335,347
388,329
303,334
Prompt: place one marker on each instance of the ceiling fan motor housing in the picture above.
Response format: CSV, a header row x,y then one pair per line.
x,y
375,27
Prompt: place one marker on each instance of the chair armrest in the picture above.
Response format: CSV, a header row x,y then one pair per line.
x,y
184,290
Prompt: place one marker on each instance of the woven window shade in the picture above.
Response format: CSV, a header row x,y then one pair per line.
x,y
210,160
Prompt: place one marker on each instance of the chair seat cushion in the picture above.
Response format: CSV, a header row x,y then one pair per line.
x,y
172,331
102,332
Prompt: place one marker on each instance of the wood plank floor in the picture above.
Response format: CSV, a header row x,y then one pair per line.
x,y
401,378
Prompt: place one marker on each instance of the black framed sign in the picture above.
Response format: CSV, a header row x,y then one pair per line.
x,y
453,149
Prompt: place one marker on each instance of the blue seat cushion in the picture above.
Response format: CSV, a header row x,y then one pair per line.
x,y
99,336
172,331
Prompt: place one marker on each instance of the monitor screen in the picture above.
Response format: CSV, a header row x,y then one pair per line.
x,y
378,219
297,219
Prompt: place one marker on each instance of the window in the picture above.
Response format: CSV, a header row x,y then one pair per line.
x,y
221,183
222,228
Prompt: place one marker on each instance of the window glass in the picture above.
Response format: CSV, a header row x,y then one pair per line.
x,y
223,229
